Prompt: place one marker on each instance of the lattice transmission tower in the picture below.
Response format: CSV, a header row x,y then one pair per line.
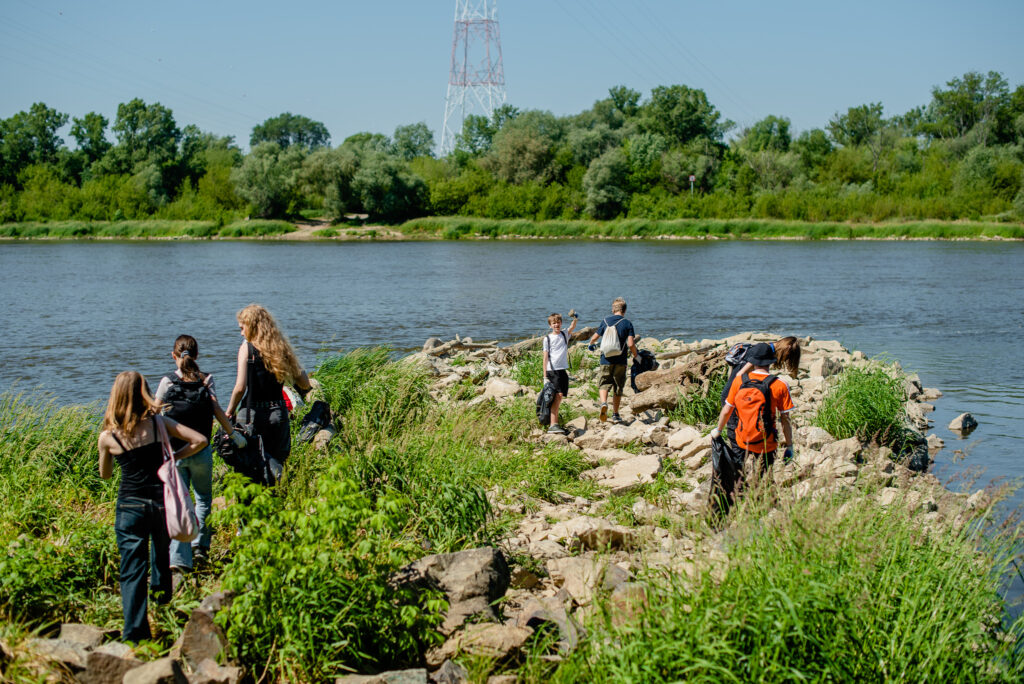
x,y
476,82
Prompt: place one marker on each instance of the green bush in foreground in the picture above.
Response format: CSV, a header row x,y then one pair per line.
x,y
313,599
866,403
825,593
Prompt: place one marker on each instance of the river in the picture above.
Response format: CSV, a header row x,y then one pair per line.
x,y
74,314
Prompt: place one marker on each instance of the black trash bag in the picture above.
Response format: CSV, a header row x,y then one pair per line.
x,y
915,450
316,419
544,401
251,460
644,362
726,473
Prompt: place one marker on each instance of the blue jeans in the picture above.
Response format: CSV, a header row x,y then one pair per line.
x,y
141,530
197,471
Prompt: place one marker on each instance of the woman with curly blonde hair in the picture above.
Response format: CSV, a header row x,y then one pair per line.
x,y
266,362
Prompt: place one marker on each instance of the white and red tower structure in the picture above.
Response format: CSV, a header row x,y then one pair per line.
x,y
476,82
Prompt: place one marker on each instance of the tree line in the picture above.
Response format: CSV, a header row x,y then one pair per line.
x,y
961,155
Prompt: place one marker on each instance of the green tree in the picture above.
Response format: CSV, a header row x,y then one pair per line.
x,y
414,140
525,147
29,138
291,129
605,185
857,125
387,189
683,114
813,148
146,134
626,100
90,132
770,133
973,100
268,177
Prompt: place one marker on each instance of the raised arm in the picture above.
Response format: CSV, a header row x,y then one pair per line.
x,y
240,378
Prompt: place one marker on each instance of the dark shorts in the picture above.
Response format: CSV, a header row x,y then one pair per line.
x,y
560,379
613,376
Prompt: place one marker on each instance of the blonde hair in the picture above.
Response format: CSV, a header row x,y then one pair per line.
x,y
262,332
619,306
130,403
554,317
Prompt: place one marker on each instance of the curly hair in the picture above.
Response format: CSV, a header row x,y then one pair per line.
x,y
130,403
262,332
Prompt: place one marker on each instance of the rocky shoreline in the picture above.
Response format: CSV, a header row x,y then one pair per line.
x,y
565,560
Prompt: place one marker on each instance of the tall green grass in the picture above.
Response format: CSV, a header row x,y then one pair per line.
x,y
867,403
455,228
701,407
828,592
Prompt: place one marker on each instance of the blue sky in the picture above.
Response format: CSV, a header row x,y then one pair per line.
x,y
370,66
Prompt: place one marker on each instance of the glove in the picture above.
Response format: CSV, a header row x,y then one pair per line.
x,y
239,439
592,347
787,455
715,433
573,314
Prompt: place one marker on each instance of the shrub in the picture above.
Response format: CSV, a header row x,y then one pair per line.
x,y
701,407
866,403
312,598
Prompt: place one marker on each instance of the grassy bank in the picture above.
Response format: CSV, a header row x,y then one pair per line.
x,y
64,230
818,589
455,228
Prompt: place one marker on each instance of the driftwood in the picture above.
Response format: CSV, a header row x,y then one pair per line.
x,y
510,354
663,388
459,345
665,356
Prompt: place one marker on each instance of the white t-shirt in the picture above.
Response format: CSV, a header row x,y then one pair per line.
x,y
165,385
557,347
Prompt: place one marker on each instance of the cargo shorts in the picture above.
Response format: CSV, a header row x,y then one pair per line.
x,y
614,376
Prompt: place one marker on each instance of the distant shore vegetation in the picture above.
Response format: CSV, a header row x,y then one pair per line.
x,y
629,160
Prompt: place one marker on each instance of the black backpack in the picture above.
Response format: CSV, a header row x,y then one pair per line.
x,y
644,362
190,404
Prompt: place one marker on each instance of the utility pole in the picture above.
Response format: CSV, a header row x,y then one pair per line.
x,y
476,80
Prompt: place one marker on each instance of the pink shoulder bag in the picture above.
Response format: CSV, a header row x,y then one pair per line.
x,y
182,524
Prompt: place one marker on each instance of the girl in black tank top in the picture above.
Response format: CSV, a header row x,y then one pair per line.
x,y
139,467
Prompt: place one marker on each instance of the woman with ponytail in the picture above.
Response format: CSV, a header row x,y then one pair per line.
x,y
266,362
130,437
189,397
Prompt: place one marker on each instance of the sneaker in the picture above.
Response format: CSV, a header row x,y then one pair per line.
x,y
556,429
616,418
604,412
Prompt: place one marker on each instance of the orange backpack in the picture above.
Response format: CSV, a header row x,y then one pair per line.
x,y
755,419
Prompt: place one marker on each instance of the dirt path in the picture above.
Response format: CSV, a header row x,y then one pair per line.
x,y
306,229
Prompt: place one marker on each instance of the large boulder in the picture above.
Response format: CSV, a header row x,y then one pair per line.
x,y
623,435
471,580
209,672
682,437
88,636
658,397
813,437
487,640
70,654
161,671
583,577
499,388
108,664
964,423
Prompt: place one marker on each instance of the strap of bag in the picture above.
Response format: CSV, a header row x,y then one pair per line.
x,y
165,440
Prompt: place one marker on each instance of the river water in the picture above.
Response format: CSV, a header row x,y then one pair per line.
x,y
74,314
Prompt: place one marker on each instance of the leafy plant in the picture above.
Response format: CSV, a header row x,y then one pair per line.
x,y
703,407
866,403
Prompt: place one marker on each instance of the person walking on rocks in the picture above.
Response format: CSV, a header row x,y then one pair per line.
x,y
756,396
616,335
556,363
130,437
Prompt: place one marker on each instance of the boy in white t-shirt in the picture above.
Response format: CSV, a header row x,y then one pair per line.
x,y
556,363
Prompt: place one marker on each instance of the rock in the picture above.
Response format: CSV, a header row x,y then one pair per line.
x,y
209,672
432,343
108,664
627,602
523,578
655,434
203,639
583,577
912,386
964,423
88,636
608,456
622,435
627,475
503,679
917,446
696,447
660,396
162,671
413,676
578,423
321,439
69,653
930,394
450,672
499,388
680,438
550,614
824,367
847,449
813,437
546,548
471,580
935,442
488,640
887,496
604,536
